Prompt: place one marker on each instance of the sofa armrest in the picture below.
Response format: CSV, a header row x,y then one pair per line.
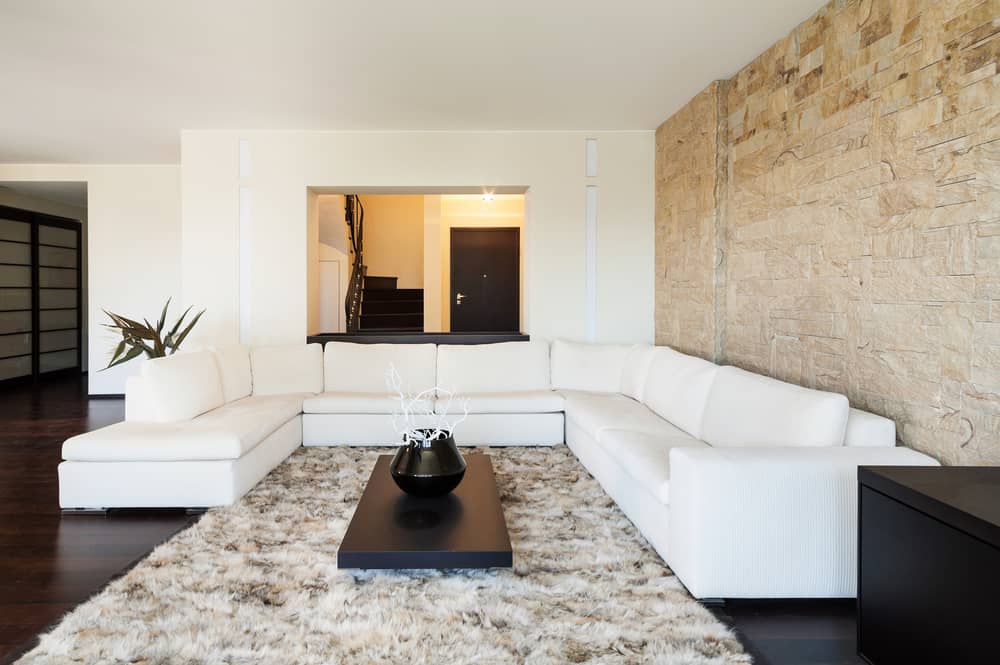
x,y
770,522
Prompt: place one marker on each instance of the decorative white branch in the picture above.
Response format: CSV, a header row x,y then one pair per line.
x,y
415,417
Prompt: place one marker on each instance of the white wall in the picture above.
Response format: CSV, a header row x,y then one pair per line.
x,y
394,238
549,164
133,246
326,241
312,263
433,277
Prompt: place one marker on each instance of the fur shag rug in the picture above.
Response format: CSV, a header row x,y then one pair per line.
x,y
258,582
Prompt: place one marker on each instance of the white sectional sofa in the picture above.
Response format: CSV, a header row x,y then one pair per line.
x,y
745,485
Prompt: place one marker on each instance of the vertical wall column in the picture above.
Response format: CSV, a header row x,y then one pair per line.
x,y
245,242
590,169
721,195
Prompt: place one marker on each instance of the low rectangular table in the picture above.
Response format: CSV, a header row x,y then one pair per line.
x,y
463,529
929,552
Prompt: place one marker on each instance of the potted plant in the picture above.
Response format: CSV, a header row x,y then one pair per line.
x,y
145,338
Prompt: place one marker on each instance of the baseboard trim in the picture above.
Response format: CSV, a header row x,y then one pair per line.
x,y
106,396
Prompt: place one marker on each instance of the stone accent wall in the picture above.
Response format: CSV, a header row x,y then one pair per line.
x,y
862,224
687,165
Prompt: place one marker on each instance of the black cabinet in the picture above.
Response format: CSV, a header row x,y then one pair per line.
x,y
929,565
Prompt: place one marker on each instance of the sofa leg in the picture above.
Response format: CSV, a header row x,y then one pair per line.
x,y
713,602
85,511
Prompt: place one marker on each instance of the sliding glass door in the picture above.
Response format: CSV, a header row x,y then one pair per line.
x,y
40,294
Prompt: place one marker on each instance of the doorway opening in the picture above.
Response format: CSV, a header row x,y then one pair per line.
x,y
401,261
43,330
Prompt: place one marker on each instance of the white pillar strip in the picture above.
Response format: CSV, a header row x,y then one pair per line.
x,y
591,159
591,263
245,244
245,168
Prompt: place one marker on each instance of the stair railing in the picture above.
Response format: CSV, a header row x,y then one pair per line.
x,y
354,216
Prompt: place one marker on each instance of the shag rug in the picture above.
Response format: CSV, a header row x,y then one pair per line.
x,y
258,582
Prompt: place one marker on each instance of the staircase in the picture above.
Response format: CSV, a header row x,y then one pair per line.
x,y
386,308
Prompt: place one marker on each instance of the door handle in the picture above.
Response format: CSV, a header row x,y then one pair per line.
x,y
459,297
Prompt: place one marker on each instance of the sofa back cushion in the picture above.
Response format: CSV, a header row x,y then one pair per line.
x,y
677,387
493,368
234,368
867,430
361,368
182,386
139,403
591,367
747,409
636,370
293,368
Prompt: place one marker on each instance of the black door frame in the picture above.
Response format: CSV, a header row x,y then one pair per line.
x,y
451,267
36,219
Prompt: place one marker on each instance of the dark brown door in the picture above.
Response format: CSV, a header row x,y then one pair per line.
x,y
485,280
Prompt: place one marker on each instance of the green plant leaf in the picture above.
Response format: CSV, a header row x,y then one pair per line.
x,y
135,328
122,321
157,342
163,318
134,341
177,326
132,353
177,342
119,350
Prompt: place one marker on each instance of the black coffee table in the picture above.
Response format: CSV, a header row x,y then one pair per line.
x,y
464,529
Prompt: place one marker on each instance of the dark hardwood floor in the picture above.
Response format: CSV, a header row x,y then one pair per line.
x,y
50,563
795,632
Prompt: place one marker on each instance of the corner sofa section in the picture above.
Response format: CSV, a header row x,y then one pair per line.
x,y
745,485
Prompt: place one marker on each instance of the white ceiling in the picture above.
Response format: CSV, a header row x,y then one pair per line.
x,y
68,193
114,81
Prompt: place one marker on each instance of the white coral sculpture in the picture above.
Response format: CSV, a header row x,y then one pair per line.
x,y
414,418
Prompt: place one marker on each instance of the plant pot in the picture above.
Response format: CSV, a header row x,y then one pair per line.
x,y
428,467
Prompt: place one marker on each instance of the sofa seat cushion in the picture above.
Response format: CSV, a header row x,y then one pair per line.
x,y
341,402
516,401
227,433
596,412
646,457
